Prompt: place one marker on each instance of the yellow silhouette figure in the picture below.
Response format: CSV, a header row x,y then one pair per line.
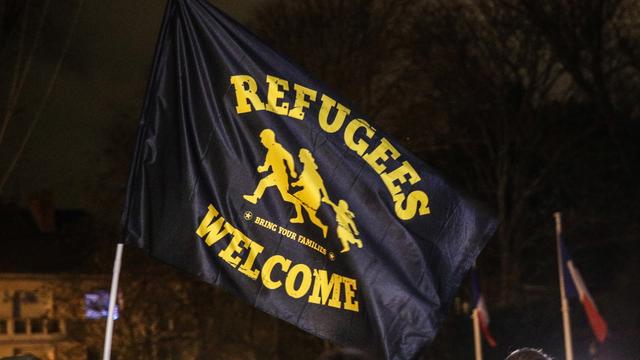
x,y
279,160
313,191
347,230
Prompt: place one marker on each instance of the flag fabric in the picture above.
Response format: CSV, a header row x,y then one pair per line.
x,y
256,178
576,288
480,305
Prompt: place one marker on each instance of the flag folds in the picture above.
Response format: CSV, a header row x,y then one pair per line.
x,y
256,178
480,305
575,287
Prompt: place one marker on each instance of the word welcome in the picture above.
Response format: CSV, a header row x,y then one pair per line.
x,y
299,280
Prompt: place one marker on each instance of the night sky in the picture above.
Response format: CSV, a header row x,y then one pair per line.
x,y
103,75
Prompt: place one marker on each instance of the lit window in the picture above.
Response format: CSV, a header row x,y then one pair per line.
x,y
37,326
19,326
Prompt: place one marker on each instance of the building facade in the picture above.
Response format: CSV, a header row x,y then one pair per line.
x,y
51,316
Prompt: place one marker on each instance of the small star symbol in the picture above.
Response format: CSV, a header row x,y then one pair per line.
x,y
248,215
332,256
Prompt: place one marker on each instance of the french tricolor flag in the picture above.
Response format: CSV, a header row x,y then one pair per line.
x,y
575,287
481,307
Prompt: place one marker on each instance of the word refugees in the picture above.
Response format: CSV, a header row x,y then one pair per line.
x,y
358,135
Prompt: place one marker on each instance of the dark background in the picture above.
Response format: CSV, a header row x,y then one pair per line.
x,y
531,107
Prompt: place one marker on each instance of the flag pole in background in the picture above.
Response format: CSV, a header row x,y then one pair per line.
x,y
480,316
575,287
566,324
106,355
477,341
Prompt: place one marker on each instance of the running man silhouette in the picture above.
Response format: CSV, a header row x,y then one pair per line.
x,y
312,192
347,230
279,160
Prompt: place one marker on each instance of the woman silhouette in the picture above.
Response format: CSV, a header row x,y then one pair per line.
x,y
312,193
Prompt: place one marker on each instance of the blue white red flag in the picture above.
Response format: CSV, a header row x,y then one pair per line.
x,y
480,305
575,288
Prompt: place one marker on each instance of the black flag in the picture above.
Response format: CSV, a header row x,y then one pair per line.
x,y
256,178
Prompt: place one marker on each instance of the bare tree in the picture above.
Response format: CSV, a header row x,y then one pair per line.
x,y
596,43
20,40
358,47
522,132
496,79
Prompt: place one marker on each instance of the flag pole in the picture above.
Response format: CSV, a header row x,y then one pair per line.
x,y
108,336
477,341
566,324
